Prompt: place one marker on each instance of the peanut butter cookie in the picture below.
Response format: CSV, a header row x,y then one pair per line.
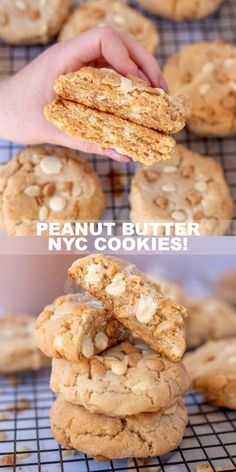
x,y
47,183
144,435
135,301
190,187
206,72
226,286
178,10
32,21
76,326
115,14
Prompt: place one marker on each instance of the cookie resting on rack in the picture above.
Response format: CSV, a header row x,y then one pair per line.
x,y
179,10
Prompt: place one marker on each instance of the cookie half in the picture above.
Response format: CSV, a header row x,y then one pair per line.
x,y
18,347
181,9
144,435
189,188
115,14
47,183
125,380
77,326
129,98
135,301
32,22
108,131
212,370
206,72
209,319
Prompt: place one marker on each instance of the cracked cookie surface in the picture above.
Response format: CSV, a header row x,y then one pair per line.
x,y
108,131
32,21
127,379
77,325
144,435
178,10
18,346
212,369
47,183
135,301
118,16
129,98
190,187
209,319
206,72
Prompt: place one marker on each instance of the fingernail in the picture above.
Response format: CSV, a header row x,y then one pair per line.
x,y
163,83
116,156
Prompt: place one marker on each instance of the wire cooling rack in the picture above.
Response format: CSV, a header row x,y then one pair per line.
x,y
210,437
116,178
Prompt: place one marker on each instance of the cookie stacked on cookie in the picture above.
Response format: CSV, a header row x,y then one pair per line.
x,y
116,365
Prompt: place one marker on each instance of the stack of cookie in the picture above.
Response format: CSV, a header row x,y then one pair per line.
x,y
116,363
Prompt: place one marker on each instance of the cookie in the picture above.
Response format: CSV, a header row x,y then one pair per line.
x,y
129,98
124,380
108,131
118,16
32,21
212,369
189,188
226,286
179,10
209,319
135,302
76,326
18,347
47,183
171,289
206,72
144,435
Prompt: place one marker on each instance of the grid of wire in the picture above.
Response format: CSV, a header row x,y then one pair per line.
x,y
210,437
116,178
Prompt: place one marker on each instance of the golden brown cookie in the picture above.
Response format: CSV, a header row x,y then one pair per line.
x,y
190,187
125,380
18,347
212,369
32,21
209,319
226,286
206,72
145,435
76,326
129,98
135,301
178,10
47,183
115,14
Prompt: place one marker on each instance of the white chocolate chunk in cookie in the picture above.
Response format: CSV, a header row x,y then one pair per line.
x,y
87,346
94,274
50,165
57,203
101,341
117,287
146,309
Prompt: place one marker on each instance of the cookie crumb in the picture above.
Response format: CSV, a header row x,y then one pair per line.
x,y
22,404
204,468
3,416
68,452
3,436
7,460
13,380
24,452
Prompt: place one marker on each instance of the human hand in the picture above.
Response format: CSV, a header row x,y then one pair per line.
x,y
24,95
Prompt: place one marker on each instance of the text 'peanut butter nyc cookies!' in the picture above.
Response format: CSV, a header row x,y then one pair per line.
x,y
115,14
178,10
206,72
32,21
123,113
135,301
47,183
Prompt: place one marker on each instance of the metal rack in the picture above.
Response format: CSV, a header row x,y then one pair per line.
x,y
116,178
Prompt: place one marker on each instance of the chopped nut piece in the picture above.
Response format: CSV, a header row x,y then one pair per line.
x,y
161,202
49,189
152,176
193,197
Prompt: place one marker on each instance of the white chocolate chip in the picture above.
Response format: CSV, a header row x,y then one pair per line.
x,y
146,309
200,186
87,347
43,213
94,274
168,187
33,191
20,4
57,343
203,89
101,341
117,286
169,169
232,85
50,165
57,203
119,20
119,368
178,215
126,84
207,68
160,91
